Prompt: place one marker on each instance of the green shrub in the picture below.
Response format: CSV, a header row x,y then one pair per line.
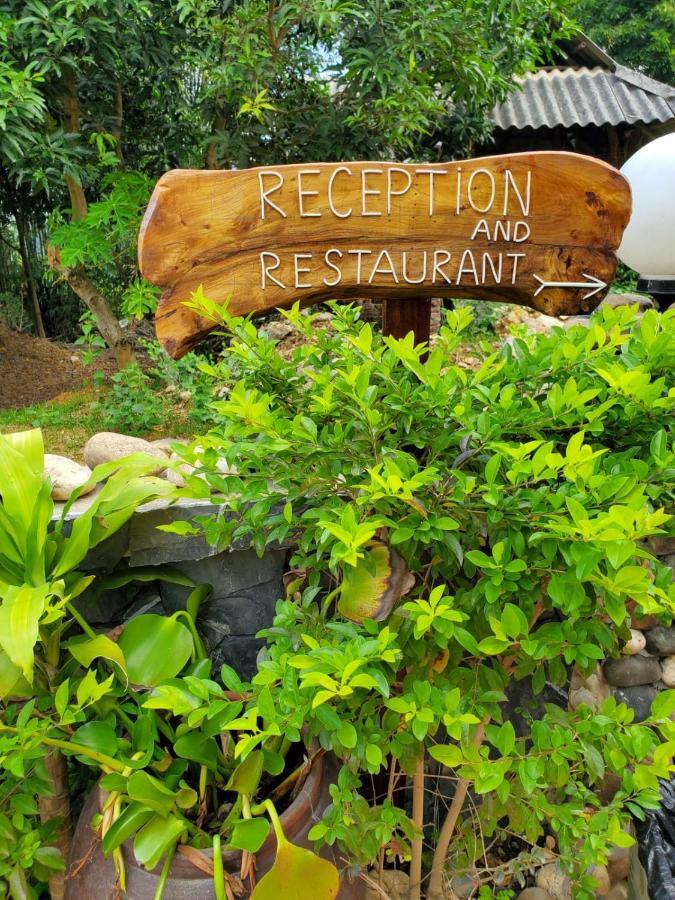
x,y
511,507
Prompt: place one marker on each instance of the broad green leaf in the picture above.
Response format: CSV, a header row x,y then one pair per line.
x,y
12,682
447,754
198,748
372,587
86,650
97,736
130,821
157,837
250,834
20,613
296,870
155,648
151,792
246,777
663,705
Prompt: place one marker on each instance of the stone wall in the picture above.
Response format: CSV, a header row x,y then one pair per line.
x,y
245,587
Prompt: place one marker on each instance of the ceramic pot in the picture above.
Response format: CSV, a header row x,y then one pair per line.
x,y
92,875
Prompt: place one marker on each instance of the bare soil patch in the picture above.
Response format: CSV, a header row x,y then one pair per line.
x,y
33,369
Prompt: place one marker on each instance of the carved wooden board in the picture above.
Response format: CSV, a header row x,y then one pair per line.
x,y
537,229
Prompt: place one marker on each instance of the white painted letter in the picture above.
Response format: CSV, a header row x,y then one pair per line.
x,y
496,270
438,265
431,173
405,269
303,193
268,268
359,255
390,191
298,269
334,173
366,192
526,231
524,204
482,226
334,267
469,190
386,271
264,194
467,270
515,257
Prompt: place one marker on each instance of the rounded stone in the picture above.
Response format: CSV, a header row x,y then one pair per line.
x,y
177,475
636,644
395,884
583,697
66,475
668,671
602,881
661,640
107,446
464,886
534,893
632,670
619,891
639,699
618,864
552,879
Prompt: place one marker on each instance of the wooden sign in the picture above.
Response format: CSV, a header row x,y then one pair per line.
x,y
537,229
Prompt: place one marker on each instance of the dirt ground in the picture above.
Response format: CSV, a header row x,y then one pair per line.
x,y
33,370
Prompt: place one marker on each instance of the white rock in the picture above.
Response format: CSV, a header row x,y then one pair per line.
x,y
177,475
668,676
66,475
592,689
107,446
636,644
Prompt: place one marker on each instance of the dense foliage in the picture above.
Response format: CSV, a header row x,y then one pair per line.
x,y
511,505
99,98
638,33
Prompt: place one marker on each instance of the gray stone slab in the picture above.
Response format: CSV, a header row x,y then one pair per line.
x,y
148,546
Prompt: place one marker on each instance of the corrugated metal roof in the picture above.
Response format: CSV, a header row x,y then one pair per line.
x,y
581,96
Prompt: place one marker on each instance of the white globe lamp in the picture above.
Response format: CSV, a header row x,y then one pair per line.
x,y
648,243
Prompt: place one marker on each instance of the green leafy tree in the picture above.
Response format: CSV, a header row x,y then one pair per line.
x,y
93,91
637,33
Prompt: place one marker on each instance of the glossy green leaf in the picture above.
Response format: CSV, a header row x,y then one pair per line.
x,y
151,792
250,834
246,777
20,613
372,587
12,682
155,648
85,650
130,821
296,870
156,838
97,736
198,748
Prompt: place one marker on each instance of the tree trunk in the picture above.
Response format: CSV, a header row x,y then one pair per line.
x,y
106,321
119,340
28,274
58,806
211,160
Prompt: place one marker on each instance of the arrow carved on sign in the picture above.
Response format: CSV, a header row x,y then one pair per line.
x,y
521,228
591,281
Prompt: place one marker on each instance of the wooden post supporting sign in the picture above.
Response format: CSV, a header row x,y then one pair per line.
x,y
537,229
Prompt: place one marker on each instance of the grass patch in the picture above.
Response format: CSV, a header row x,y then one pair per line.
x,y
69,420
